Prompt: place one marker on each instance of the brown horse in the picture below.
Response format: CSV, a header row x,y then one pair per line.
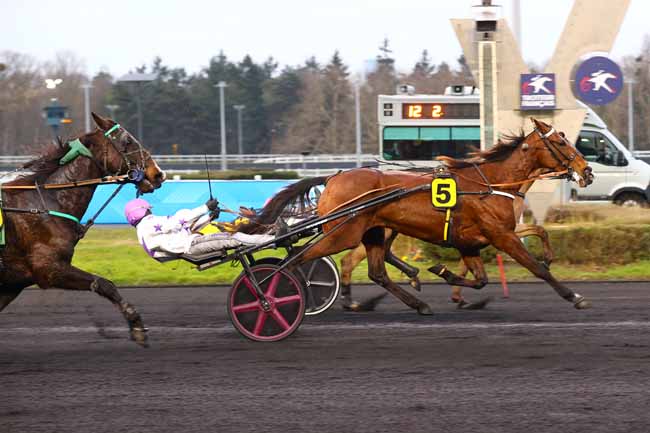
x,y
40,246
486,218
352,259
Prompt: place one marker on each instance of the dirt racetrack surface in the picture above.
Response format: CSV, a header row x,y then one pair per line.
x,y
530,363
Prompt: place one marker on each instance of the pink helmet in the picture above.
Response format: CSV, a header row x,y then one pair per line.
x,y
135,210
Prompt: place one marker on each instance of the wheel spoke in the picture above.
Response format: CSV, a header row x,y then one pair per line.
x,y
250,306
259,323
248,283
273,285
287,300
279,318
312,267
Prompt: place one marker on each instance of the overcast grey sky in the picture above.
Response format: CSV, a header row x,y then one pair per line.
x,y
121,34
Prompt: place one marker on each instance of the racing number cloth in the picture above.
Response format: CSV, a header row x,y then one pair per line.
x,y
444,195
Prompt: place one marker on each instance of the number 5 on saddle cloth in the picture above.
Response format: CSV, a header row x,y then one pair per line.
x,y
444,195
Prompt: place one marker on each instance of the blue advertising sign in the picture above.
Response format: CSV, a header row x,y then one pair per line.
x,y
598,81
537,91
185,194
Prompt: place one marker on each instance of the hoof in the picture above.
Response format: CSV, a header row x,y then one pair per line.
x,y
349,305
582,304
458,299
475,305
437,269
424,310
415,283
139,335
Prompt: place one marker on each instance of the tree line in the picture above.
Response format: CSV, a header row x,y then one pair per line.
x,y
294,109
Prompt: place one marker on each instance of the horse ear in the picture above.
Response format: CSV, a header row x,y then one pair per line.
x,y
103,123
539,125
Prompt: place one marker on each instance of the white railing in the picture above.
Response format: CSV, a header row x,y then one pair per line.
x,y
642,153
242,159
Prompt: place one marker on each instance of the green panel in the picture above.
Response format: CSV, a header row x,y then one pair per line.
x,y
434,134
466,133
401,133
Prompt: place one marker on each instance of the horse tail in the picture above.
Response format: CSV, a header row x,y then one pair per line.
x,y
294,194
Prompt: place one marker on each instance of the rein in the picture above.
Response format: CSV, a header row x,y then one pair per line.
x,y
552,175
74,184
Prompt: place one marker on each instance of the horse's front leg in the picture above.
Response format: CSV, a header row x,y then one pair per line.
x,y
475,265
65,276
523,230
510,244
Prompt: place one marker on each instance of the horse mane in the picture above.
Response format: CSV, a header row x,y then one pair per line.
x,y
296,193
499,152
42,166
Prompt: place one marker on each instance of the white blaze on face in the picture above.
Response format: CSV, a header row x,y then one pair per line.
x,y
578,179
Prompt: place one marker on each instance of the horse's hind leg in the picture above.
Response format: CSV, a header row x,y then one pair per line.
x,y
456,291
410,271
67,277
373,240
350,261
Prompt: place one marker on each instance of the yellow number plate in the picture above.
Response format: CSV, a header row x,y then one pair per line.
x,y
443,192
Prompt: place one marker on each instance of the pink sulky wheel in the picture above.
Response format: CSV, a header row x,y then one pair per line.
x,y
285,311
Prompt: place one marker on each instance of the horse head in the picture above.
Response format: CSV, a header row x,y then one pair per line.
x,y
554,152
117,152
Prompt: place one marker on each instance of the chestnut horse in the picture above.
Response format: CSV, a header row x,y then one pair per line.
x,y
40,246
486,218
352,259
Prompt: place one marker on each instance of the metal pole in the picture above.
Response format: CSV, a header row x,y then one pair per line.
x,y
222,113
357,113
240,135
138,103
87,88
630,115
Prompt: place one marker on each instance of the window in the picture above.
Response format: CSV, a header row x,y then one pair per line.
x,y
597,148
426,143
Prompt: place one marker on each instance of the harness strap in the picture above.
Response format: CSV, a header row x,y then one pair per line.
x,y
63,215
75,184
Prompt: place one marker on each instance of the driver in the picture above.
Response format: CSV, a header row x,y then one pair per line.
x,y
166,237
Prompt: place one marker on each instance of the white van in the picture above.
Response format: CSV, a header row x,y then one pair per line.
x,y
618,175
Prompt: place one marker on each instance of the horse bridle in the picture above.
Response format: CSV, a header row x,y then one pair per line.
x,y
563,159
134,172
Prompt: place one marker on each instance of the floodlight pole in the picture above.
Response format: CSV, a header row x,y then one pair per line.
x,y
357,117
86,88
240,146
222,112
630,115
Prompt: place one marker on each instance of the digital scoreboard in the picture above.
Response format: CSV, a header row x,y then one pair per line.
x,y
425,110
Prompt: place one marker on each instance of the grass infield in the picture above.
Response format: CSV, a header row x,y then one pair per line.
x,y
114,253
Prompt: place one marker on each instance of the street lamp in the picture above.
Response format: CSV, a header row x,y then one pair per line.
x,y
630,114
86,87
51,83
222,112
138,79
239,109
112,109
